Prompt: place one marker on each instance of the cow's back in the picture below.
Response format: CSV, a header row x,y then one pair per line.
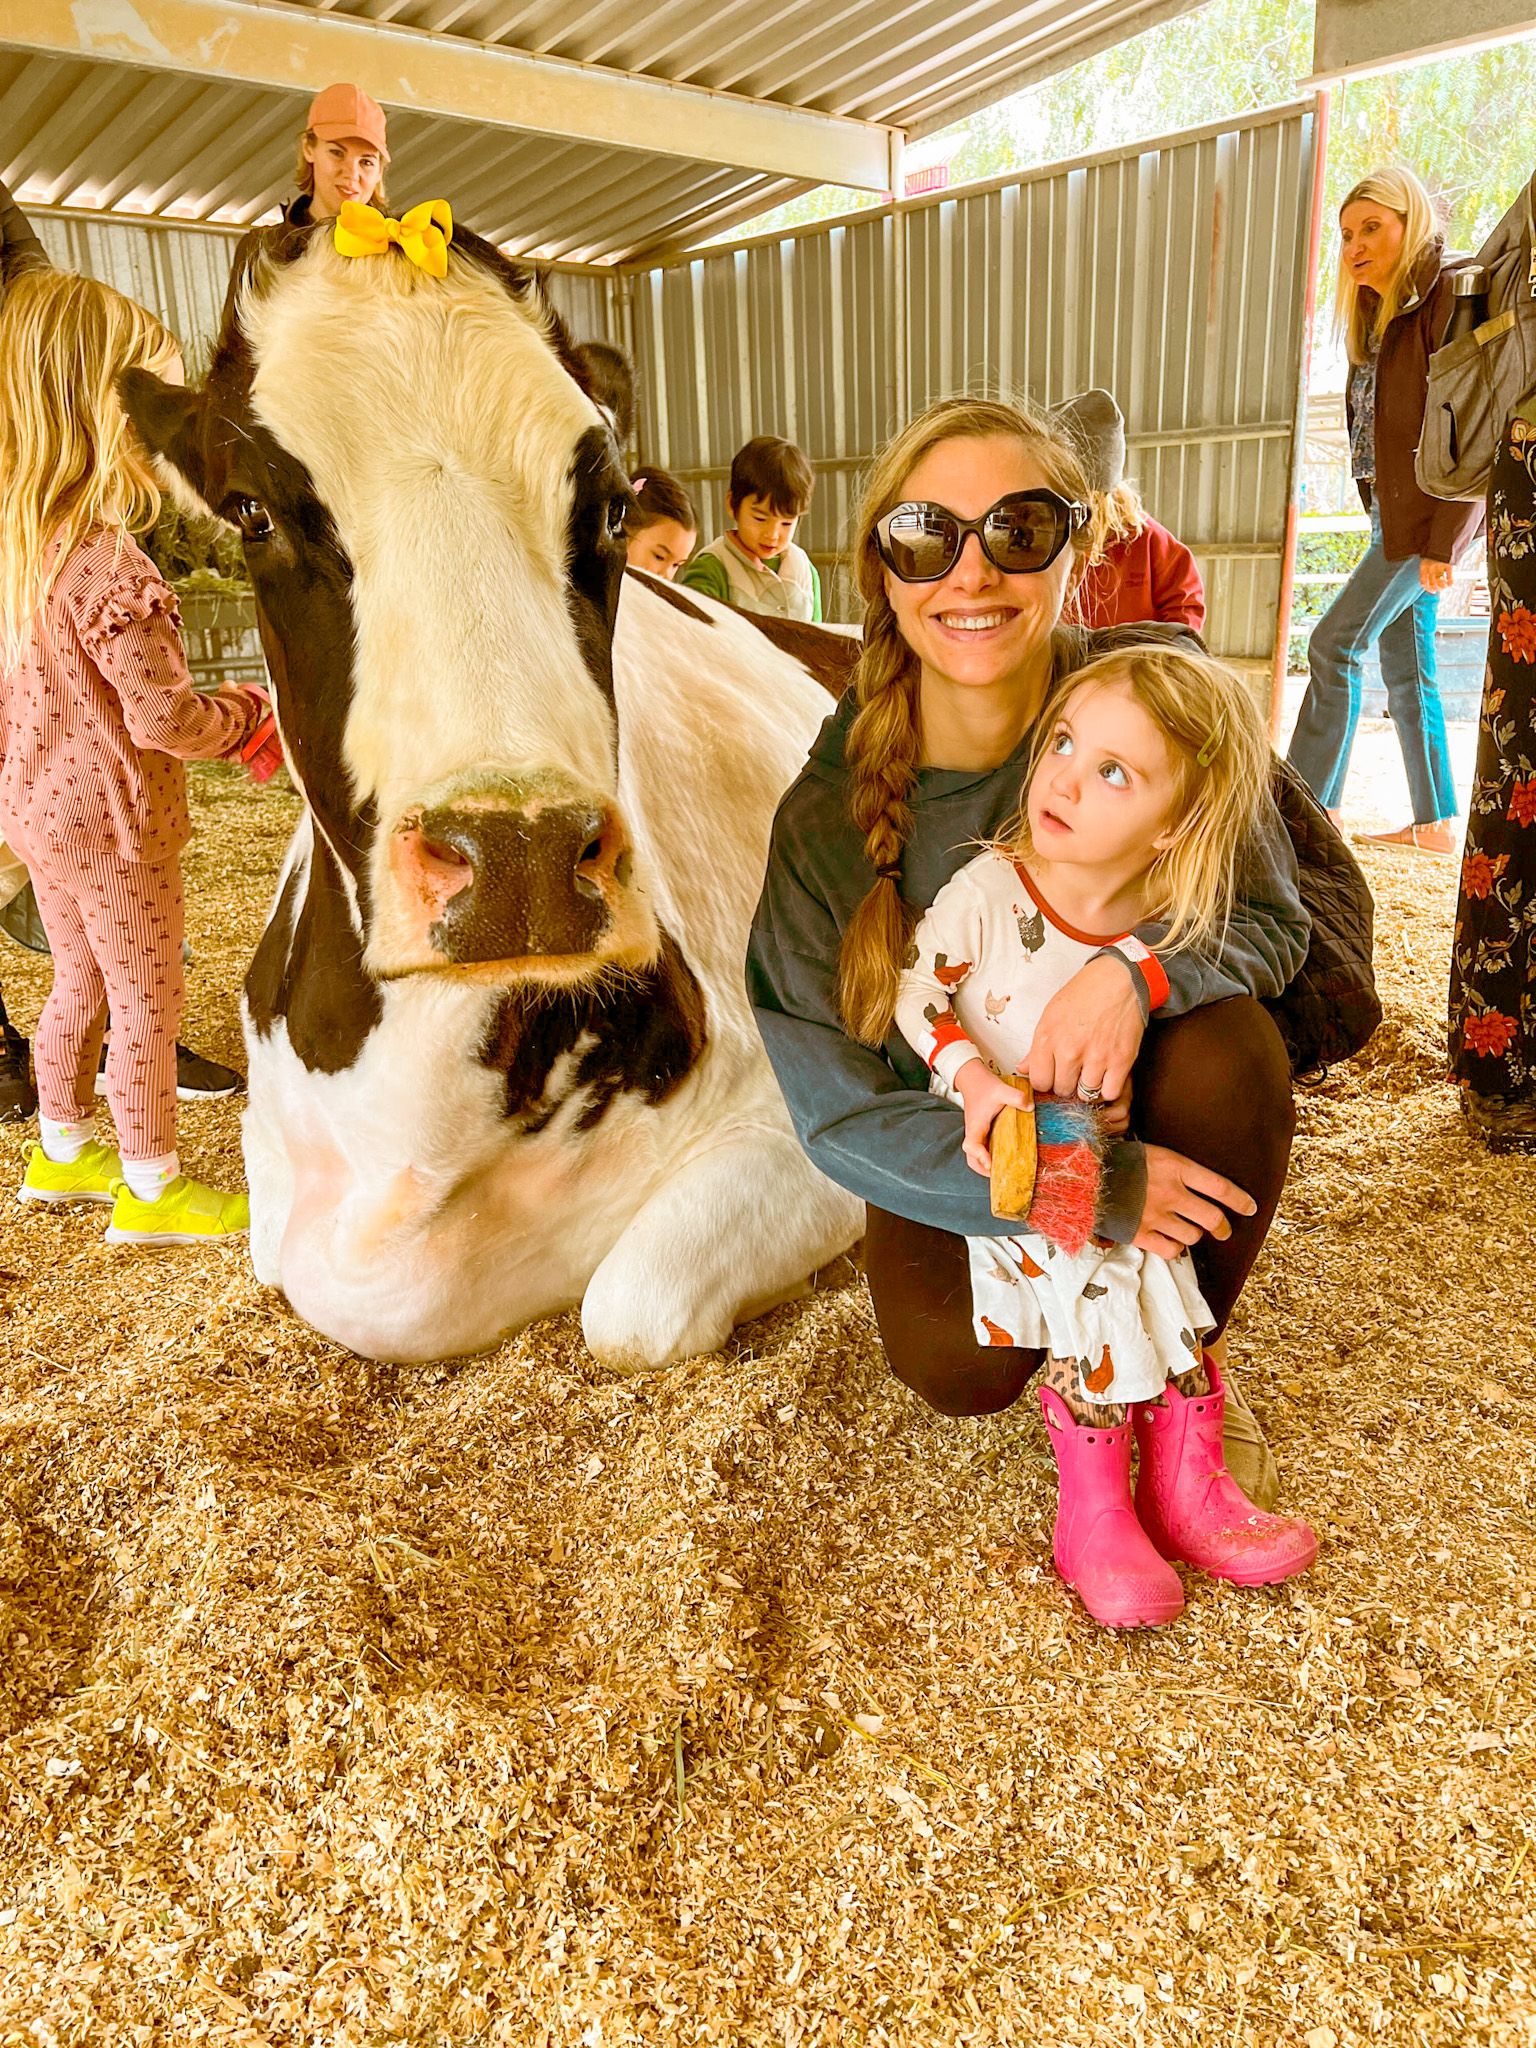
x,y
715,722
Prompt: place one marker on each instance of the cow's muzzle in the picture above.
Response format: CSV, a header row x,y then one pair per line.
x,y
538,889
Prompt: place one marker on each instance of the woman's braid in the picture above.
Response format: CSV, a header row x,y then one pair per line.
x,y
881,756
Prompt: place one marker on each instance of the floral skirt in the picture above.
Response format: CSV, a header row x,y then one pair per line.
x,y
1492,996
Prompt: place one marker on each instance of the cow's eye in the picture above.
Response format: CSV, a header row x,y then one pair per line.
x,y
618,511
252,518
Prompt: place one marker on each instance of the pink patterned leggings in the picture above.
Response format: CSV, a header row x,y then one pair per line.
x,y
115,927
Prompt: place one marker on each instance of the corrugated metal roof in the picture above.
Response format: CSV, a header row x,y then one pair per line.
x,y
904,65
100,134
91,136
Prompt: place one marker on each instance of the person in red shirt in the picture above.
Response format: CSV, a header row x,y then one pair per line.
x,y
1143,572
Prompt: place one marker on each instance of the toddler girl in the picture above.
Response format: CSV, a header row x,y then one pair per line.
x,y
1149,774
97,713
663,529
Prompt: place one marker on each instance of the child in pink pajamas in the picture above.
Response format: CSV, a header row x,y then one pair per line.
x,y
97,714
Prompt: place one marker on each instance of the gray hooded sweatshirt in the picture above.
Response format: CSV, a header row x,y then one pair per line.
x,y
866,1118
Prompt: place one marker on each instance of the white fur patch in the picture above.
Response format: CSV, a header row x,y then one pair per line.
x,y
405,1215
452,503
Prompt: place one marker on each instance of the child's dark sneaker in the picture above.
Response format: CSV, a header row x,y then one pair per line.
x,y
197,1079
187,1213
18,1098
90,1178
200,1080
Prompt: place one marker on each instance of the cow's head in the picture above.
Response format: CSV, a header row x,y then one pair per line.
x,y
432,508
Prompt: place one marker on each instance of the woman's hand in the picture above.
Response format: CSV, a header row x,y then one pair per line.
x,y
983,1095
1181,1205
1089,1034
1435,575
1117,1113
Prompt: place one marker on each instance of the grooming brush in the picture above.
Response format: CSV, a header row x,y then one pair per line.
x,y
1048,1166
263,751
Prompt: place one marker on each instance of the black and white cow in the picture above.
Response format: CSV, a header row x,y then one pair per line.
x,y
501,1057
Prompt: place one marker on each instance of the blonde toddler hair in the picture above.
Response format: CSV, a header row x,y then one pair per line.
x,y
69,457
1125,516
1221,758
1353,315
881,749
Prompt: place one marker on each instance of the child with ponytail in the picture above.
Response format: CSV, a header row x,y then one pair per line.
x,y
1148,774
97,714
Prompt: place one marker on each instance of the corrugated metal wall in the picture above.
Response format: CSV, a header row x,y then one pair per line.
x,y
181,275
1170,273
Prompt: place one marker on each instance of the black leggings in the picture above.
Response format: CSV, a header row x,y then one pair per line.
x,y
1215,1085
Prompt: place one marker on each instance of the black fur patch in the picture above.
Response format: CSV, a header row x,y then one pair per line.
x,y
595,544
649,1031
308,972
658,586
302,579
603,372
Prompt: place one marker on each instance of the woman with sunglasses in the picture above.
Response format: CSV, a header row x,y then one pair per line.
x,y
975,530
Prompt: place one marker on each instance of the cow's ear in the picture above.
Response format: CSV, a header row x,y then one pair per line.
x,y
169,421
604,374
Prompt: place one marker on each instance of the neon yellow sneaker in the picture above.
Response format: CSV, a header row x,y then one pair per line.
x,y
90,1178
187,1213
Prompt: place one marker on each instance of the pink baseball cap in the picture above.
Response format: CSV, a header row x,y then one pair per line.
x,y
346,110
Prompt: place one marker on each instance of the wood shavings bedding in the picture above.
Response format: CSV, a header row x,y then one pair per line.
x,y
504,1701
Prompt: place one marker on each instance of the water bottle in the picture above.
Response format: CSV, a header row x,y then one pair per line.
x,y
1469,303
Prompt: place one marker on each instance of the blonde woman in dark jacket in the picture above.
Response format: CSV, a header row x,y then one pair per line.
x,y
1392,304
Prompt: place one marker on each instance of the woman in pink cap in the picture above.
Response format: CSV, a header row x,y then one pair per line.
x,y
342,154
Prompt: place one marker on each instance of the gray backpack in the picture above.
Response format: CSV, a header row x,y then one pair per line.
x,y
1476,383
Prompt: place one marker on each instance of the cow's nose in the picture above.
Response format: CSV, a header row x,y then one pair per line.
x,y
514,884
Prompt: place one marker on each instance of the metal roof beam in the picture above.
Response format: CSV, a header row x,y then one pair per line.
x,y
1369,37
274,44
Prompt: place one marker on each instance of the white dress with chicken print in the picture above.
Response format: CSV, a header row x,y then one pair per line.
x,y
987,958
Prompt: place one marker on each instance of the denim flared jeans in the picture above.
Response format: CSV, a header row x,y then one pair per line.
x,y
1383,601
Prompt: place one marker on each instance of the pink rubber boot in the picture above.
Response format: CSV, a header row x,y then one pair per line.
x,y
1190,1505
1100,1546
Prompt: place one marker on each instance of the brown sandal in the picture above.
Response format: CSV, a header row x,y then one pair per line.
x,y
1436,838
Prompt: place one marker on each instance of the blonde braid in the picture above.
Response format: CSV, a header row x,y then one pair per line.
x,y
881,752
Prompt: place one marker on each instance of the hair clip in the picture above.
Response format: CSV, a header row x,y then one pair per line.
x,y
1208,752
639,484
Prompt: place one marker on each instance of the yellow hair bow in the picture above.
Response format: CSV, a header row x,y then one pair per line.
x,y
424,233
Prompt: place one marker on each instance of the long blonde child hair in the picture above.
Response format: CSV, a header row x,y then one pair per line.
x,y
69,457
1125,516
1220,757
1361,320
881,750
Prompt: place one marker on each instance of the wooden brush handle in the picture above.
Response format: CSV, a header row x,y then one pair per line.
x,y
1012,1145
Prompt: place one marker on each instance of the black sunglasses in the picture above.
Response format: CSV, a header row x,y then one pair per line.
x,y
1021,533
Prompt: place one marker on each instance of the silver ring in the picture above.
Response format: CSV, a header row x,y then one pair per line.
x,y
1089,1094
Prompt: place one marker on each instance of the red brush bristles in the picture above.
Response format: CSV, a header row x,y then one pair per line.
x,y
1067,1183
